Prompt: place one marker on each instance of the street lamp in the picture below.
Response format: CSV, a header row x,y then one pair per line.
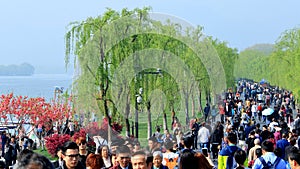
x,y
138,100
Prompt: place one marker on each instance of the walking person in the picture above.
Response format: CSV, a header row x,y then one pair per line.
x,y
206,111
15,149
3,143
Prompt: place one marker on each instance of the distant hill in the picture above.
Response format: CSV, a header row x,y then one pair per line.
x,y
264,48
24,69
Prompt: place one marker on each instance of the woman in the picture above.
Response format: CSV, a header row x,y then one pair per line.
x,y
190,159
157,161
106,156
94,161
83,152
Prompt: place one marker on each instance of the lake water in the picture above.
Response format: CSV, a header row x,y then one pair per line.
x,y
38,85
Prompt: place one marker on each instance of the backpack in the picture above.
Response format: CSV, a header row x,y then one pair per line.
x,y
231,160
269,165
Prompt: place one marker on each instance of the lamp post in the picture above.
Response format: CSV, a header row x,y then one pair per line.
x,y
137,101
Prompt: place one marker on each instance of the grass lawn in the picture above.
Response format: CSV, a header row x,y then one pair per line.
x,y
45,153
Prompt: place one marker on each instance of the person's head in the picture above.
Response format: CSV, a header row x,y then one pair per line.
x,y
138,160
59,152
232,138
33,161
157,159
81,142
70,154
293,141
188,142
114,159
202,161
123,155
294,158
137,146
267,146
169,145
240,156
258,152
104,151
257,141
94,161
152,143
187,159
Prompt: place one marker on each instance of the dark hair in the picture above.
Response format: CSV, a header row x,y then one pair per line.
x,y
153,139
258,152
295,155
187,159
278,152
169,145
33,160
293,141
240,156
232,137
69,145
188,142
267,146
122,149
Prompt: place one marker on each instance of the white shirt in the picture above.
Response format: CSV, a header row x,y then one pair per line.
x,y
203,135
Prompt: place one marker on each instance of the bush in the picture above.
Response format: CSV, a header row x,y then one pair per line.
x,y
55,141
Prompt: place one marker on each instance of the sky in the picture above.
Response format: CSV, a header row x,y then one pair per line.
x,y
33,31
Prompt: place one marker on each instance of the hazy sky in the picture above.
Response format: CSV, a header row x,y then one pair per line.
x,y
33,30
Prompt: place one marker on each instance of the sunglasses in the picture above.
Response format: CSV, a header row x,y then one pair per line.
x,y
73,155
82,143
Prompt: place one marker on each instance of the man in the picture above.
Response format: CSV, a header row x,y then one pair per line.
x,y
289,148
203,136
268,157
153,145
226,155
282,144
70,155
294,159
138,160
123,158
252,151
4,140
195,129
206,111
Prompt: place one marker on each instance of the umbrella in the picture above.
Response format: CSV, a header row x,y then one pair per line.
x,y
263,81
267,112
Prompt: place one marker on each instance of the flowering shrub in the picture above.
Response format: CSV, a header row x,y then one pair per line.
x,y
54,141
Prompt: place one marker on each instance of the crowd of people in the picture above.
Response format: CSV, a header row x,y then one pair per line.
x,y
242,136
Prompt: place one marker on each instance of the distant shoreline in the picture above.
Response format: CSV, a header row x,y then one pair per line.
x,y
24,69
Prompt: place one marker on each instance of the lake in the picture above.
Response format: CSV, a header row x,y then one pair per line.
x,y
37,85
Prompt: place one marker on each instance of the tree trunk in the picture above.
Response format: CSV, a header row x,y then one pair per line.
x,y
127,110
149,119
187,119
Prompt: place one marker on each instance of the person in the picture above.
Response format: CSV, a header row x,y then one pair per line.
x,y
157,161
15,149
138,160
289,148
206,111
191,159
70,154
152,144
268,158
294,159
59,161
240,157
7,154
282,144
203,136
106,157
94,161
2,165
169,158
3,143
195,129
83,152
33,161
252,152
225,158
123,158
